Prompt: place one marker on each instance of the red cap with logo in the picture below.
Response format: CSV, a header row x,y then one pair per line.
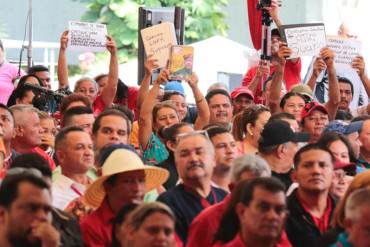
x,y
241,90
310,107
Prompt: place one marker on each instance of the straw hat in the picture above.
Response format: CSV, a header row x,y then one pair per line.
x,y
120,161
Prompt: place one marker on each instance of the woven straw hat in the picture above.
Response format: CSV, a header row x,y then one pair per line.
x,y
120,161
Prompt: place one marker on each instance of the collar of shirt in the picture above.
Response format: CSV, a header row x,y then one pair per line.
x,y
66,183
323,222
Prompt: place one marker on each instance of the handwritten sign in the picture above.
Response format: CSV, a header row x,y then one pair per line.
x,y
304,39
84,36
345,50
158,41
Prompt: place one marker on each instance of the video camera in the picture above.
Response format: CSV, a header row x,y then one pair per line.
x,y
263,4
45,99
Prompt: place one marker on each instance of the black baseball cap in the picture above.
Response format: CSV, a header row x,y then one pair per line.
x,y
277,132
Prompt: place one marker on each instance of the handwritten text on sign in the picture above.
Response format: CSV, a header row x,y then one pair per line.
x,y
158,41
345,50
306,40
85,36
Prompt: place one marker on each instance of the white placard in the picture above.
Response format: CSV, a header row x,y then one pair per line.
x,y
305,39
84,36
345,50
158,40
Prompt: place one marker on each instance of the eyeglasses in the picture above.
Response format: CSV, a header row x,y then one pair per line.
x,y
192,133
21,170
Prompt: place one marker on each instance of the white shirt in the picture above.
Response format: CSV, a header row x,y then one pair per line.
x,y
65,190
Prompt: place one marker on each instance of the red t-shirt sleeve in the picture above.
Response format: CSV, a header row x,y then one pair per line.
x,y
98,105
248,77
292,73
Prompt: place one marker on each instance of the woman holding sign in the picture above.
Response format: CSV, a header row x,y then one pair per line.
x,y
87,86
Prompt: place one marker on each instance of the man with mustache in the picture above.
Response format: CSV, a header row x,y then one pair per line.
x,y
195,161
346,97
220,107
310,206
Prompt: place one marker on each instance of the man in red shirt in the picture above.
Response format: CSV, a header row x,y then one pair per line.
x,y
256,75
256,216
205,225
310,206
28,131
125,179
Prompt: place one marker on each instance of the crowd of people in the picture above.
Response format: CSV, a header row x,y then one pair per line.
x,y
105,164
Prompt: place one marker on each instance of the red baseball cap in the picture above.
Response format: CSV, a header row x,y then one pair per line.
x,y
241,90
310,107
348,167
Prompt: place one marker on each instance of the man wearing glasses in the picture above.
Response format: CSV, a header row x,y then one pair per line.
x,y
25,212
195,161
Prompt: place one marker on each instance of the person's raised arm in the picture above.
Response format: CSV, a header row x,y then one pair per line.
x,y
62,70
318,66
149,65
263,71
334,96
358,64
202,106
274,13
109,91
145,117
277,79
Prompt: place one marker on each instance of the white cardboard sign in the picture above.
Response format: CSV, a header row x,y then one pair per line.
x,y
158,40
304,39
345,50
84,36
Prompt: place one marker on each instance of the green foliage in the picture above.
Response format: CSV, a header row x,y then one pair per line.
x,y
203,19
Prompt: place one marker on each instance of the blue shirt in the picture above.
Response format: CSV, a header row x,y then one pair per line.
x,y
187,204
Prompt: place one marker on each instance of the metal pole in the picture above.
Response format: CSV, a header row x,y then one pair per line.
x,y
30,33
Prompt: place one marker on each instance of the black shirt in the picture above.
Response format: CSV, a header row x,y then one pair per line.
x,y
284,177
169,165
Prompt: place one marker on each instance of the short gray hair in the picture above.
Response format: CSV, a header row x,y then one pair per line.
x,y
356,202
218,85
16,110
249,163
79,81
210,147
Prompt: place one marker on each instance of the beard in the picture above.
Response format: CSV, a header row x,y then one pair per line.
x,y
18,240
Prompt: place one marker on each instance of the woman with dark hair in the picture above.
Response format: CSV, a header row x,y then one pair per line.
x,y
339,145
149,225
22,93
125,95
118,222
247,126
344,170
153,117
168,134
293,103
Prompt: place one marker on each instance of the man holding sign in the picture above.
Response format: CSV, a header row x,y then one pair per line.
x,y
350,66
